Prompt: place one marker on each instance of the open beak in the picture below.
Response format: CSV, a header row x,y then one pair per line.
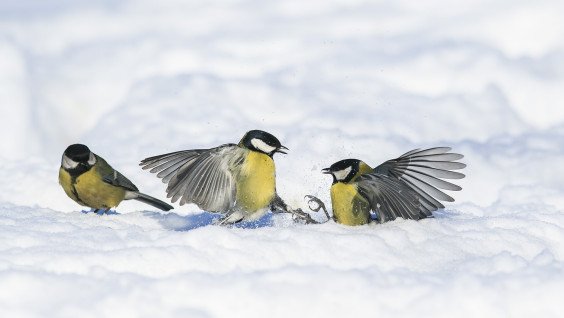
x,y
326,170
282,151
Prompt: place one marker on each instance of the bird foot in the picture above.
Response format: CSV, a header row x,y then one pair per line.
x,y
279,206
299,215
319,203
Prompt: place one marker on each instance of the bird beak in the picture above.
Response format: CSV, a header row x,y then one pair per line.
x,y
282,151
326,170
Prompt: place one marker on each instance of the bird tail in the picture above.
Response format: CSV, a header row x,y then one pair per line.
x,y
149,200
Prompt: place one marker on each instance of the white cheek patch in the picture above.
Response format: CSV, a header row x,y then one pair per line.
x,y
342,174
68,163
92,159
262,146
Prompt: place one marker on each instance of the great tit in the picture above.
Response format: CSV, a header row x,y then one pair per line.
x,y
90,181
237,180
406,187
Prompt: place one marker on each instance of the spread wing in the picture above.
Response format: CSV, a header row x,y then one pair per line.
x,y
423,171
167,165
389,198
113,177
202,176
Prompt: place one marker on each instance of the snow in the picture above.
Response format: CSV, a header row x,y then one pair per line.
x,y
332,80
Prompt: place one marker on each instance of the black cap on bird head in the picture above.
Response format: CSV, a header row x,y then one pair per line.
x,y
78,152
78,157
343,171
262,141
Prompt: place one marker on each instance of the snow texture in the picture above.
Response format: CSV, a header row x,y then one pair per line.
x,y
332,80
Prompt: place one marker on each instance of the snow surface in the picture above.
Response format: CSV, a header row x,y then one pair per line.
x,y
332,79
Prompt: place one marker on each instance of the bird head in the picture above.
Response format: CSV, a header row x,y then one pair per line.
x,y
344,170
78,157
261,141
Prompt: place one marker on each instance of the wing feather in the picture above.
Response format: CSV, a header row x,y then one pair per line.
x,y
438,173
423,171
168,164
203,176
113,177
389,198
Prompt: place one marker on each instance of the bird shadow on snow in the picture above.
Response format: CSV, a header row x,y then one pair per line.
x,y
111,212
175,222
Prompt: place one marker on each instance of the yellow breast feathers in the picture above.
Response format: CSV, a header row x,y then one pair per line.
x,y
349,207
90,190
256,186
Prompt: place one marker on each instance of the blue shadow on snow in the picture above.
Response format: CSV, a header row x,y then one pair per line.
x,y
111,212
175,222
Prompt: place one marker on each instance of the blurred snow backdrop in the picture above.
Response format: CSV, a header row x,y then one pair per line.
x,y
331,79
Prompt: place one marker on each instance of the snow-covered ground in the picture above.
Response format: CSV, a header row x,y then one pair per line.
x,y
332,80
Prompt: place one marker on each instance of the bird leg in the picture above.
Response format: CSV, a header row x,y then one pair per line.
x,y
320,205
302,215
279,206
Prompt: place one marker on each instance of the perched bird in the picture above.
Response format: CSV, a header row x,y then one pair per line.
x,y
237,180
90,181
406,187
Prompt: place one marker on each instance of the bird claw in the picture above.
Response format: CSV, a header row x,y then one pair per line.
x,y
320,205
279,206
299,214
